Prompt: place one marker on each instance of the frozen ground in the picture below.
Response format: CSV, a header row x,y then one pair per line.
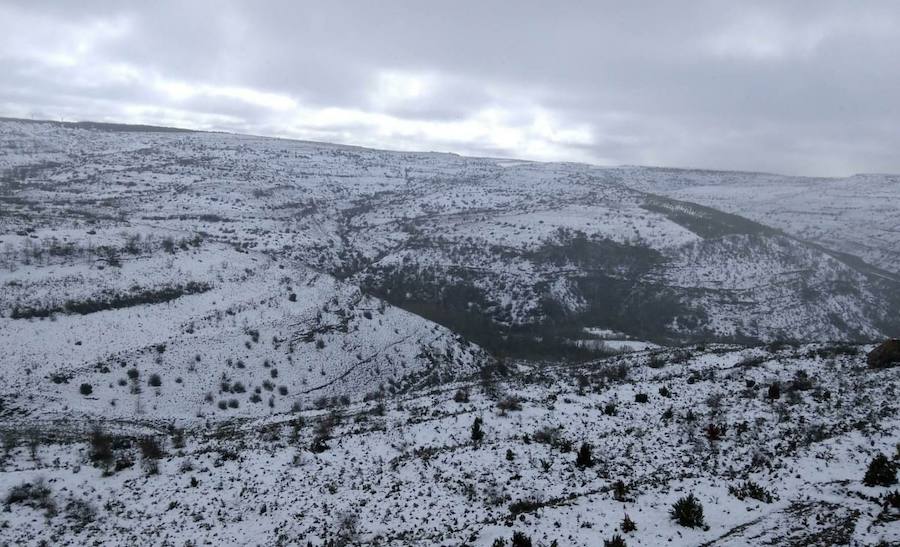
x,y
233,340
855,215
406,471
257,332
488,249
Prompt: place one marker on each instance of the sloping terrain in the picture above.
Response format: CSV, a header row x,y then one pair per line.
x,y
516,256
225,339
117,242
783,467
854,215
205,331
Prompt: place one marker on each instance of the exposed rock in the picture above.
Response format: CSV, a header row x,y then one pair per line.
x,y
887,354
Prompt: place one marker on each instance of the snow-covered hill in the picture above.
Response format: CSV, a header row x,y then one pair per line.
x,y
205,331
213,338
518,256
781,465
856,215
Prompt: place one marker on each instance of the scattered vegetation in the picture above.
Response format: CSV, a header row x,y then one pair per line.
x,y
36,495
101,448
752,490
112,300
508,404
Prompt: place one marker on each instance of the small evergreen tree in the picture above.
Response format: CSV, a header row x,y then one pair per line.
x,y
477,433
715,432
519,539
151,448
628,525
584,459
615,541
881,472
101,451
687,511
892,500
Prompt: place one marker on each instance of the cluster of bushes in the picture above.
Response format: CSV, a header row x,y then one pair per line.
x,y
461,395
135,244
323,430
826,352
612,373
324,402
752,490
523,506
112,454
111,300
230,403
509,403
36,495
551,436
519,539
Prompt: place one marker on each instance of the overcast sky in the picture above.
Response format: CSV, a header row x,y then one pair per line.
x,y
791,87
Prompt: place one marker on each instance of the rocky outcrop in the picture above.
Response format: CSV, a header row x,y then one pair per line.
x,y
887,354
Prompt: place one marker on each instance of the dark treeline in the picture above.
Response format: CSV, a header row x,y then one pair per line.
x,y
112,301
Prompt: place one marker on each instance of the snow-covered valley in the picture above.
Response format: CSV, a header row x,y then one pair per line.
x,y
225,339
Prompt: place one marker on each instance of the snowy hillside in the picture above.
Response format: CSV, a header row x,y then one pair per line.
x,y
225,339
775,445
517,256
203,331
856,215
498,251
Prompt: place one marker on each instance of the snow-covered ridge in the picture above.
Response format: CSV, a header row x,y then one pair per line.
x,y
478,245
855,215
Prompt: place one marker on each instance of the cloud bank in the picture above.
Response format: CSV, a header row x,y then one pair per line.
x,y
792,87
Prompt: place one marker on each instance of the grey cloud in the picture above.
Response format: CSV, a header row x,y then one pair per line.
x,y
799,87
